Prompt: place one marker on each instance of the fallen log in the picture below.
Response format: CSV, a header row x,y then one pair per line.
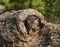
x,y
27,28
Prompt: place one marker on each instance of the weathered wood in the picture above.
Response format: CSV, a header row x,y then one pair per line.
x,y
27,28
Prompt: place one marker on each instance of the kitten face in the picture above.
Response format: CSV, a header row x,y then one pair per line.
x,y
33,22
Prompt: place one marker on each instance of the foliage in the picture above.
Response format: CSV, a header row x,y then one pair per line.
x,y
49,8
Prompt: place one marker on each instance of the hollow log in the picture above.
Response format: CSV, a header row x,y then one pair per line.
x,y
27,28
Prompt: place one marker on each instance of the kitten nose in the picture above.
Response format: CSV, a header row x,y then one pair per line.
x,y
34,26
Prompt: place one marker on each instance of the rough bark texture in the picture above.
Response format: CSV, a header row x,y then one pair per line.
x,y
27,28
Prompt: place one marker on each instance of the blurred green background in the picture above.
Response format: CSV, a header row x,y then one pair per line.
x,y
49,8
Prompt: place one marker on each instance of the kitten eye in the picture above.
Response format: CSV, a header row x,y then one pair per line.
x,y
28,21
